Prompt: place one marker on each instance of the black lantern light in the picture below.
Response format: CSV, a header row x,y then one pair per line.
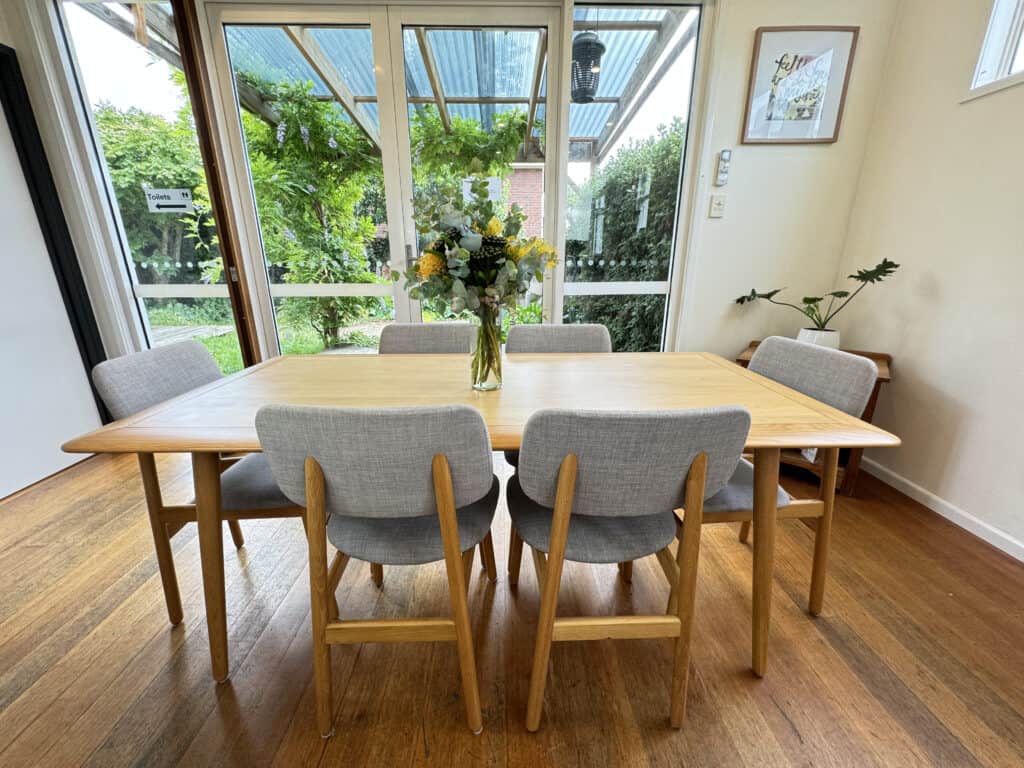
x,y
587,50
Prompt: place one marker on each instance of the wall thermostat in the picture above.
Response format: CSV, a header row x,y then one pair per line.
x,y
722,174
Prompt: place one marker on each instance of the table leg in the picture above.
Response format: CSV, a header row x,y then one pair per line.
x,y
206,475
766,483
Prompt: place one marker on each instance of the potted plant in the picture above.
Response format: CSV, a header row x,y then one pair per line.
x,y
810,306
478,260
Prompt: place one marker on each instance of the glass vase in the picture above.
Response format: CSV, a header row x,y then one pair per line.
x,y
486,367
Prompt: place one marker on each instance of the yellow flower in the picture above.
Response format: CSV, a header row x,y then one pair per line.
x,y
494,227
516,251
430,264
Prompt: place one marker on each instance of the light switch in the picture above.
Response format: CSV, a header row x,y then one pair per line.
x,y
717,210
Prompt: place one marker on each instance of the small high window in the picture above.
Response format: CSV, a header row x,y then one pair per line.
x,y
1002,53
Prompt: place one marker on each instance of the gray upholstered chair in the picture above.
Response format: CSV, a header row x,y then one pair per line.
x,y
432,339
547,338
135,382
604,487
417,486
427,338
567,338
836,378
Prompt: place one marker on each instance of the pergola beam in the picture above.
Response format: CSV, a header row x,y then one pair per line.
x,y
538,73
163,25
434,77
616,26
627,108
322,65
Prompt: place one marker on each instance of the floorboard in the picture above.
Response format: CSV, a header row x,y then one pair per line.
x,y
917,659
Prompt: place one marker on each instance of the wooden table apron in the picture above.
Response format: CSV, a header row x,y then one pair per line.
x,y
220,417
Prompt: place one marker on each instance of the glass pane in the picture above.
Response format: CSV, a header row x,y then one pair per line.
x,y
486,78
633,321
627,140
139,104
315,164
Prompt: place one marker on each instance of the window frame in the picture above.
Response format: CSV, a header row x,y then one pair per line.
x,y
1000,47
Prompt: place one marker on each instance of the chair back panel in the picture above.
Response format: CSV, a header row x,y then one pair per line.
x,y
427,338
629,462
835,378
377,461
568,338
132,383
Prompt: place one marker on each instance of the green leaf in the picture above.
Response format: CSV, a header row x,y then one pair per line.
x,y
838,294
812,300
877,273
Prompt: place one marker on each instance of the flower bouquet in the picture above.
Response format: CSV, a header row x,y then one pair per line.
x,y
477,261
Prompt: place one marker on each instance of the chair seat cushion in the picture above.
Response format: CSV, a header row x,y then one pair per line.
x,y
249,484
592,539
738,493
410,540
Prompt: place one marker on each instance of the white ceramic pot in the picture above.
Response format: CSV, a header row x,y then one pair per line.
x,y
826,338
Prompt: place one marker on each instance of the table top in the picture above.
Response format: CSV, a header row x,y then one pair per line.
x,y
221,416
882,359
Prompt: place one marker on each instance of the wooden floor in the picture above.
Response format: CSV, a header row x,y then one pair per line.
x,y
918,658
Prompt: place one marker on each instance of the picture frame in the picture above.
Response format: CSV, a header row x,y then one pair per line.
x,y
798,82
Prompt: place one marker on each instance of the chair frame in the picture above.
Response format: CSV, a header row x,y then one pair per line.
x,y
680,570
166,520
821,508
328,630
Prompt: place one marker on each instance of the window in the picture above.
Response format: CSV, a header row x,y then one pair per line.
x,y
1002,53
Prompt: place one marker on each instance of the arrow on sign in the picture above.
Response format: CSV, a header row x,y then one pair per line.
x,y
165,206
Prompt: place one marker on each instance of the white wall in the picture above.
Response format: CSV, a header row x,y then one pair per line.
x,y
942,193
788,206
44,393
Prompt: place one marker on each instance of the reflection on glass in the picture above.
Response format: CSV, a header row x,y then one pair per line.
x,y
625,165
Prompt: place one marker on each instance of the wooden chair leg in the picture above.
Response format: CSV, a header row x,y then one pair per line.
x,y
549,599
318,593
745,531
467,565
687,557
445,498
626,571
827,493
236,534
487,556
515,556
377,574
161,538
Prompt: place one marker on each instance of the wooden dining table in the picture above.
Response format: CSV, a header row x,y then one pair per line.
x,y
219,418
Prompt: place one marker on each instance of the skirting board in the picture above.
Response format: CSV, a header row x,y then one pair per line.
x,y
997,538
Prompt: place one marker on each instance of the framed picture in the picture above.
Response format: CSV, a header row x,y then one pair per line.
x,y
798,81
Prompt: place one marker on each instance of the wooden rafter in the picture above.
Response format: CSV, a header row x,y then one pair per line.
x,y
538,73
332,78
626,108
434,76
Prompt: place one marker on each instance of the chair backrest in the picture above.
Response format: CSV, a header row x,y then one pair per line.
x,y
835,378
427,338
134,382
377,462
629,462
566,338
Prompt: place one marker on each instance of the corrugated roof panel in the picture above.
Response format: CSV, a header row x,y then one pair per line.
x,y
623,51
269,54
351,51
474,62
416,81
599,14
588,119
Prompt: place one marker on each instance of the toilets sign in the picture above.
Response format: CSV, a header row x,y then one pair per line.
x,y
168,200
